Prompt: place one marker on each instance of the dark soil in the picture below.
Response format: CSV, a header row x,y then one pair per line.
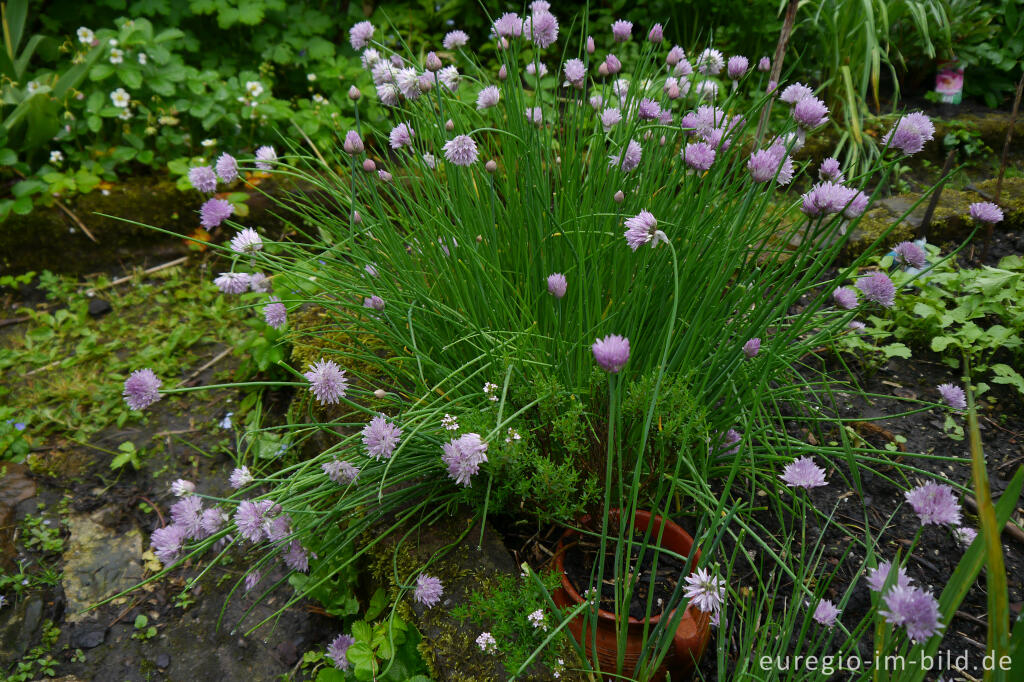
x,y
580,565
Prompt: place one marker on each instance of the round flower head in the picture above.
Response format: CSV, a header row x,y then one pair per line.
x,y
910,133
964,535
675,55
557,284
488,97
449,77
463,457
953,396
296,557
487,643
375,302
401,136
337,651
683,70
275,313
643,229
610,117
247,241
752,347
803,473
764,65
612,66
622,30
212,520
630,159
327,381
233,282
986,212
388,94
825,613
648,109
736,67
710,62
252,579
250,517
215,211
534,115
360,34
795,92
353,143
699,155
845,298
773,162
227,168
575,73
533,70
810,112
876,577
910,254
428,590
454,39
878,288
934,503
266,157
240,477
187,513
656,34
542,28
381,438
914,609
340,471
509,25
611,353
830,170
260,283
705,591
181,487
203,179
167,543
461,150
141,389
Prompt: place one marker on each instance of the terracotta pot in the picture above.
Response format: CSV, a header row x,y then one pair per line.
x,y
693,631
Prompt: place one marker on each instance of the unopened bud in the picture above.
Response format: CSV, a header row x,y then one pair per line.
x,y
603,69
433,62
356,218
619,197
449,125
369,166
479,238
380,393
590,45
491,166
502,72
354,93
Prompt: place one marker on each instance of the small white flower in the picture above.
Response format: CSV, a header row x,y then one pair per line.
x,y
449,422
319,99
33,87
56,157
125,114
490,391
311,77
225,423
113,42
512,435
254,88
209,142
486,643
120,98
142,58
116,56
537,619
85,35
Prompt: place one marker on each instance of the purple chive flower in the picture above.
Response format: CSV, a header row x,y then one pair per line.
x,y
203,179
557,284
773,162
611,353
360,35
675,55
454,39
575,72
910,133
630,159
252,579
910,254
181,487
705,591
380,437
731,442
965,535
374,302
643,229
212,520
384,175
141,389
610,117
449,77
710,62
878,288
845,298
736,67
275,314
934,503
278,528
706,89
752,347
914,609
656,34
187,513
337,651
461,150
327,381
167,543
401,136
428,590
830,170
612,65
953,396
240,477
986,212
622,30
353,143
463,456
488,97
826,198
266,157
541,28
856,325
250,517
534,115
233,282
340,471
296,557
648,109
247,241
227,168
699,155
803,473
877,577
388,94
409,84
259,283
509,25
810,112
795,92
764,65
825,613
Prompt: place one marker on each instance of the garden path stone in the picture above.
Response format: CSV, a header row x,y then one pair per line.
x,y
15,487
99,563
19,628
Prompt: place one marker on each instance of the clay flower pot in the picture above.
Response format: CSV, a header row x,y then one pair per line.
x,y
691,635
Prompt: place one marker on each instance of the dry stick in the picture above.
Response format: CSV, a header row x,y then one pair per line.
x,y
128,278
61,206
780,53
217,358
1011,528
1006,153
926,220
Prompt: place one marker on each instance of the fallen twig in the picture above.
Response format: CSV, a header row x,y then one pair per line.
x,y
1011,528
217,358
